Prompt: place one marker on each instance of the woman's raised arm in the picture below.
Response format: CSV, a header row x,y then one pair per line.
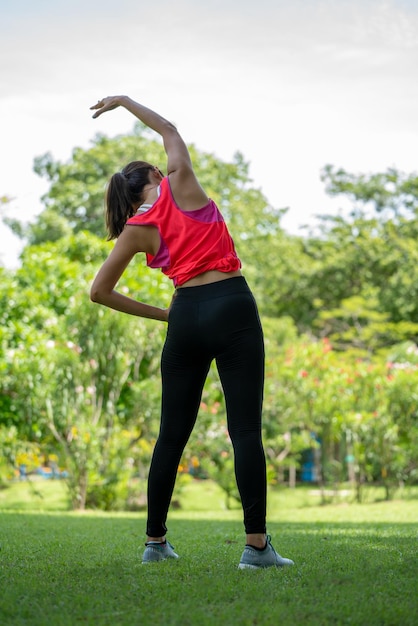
x,y
186,189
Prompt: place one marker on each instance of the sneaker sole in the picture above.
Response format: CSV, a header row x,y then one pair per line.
x,y
248,566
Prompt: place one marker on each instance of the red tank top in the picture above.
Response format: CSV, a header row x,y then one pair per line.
x,y
192,242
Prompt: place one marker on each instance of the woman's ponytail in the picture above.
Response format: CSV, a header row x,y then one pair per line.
x,y
123,192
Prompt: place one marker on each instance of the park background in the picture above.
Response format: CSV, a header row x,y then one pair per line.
x,y
306,104
301,123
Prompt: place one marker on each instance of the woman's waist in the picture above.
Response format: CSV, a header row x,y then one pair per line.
x,y
232,283
211,276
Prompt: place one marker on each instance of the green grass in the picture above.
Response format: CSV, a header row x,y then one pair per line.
x,y
40,495
355,565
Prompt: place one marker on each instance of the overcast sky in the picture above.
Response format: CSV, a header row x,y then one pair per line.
x,y
292,84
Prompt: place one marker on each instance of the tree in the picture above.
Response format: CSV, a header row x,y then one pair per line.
x,y
358,324
368,256
70,366
391,194
83,382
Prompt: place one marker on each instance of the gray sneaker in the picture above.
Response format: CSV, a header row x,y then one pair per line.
x,y
156,551
255,559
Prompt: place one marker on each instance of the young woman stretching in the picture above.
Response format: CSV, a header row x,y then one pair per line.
x,y
212,316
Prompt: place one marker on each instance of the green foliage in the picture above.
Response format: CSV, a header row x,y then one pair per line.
x,y
348,402
70,365
369,257
391,192
339,309
375,249
16,453
358,324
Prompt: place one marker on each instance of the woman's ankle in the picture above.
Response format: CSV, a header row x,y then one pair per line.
x,y
258,540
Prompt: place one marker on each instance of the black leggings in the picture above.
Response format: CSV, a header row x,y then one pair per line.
x,y
216,321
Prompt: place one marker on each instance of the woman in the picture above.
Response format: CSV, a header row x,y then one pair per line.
x,y
212,316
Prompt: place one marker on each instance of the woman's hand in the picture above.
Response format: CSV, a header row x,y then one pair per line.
x,y
167,311
107,104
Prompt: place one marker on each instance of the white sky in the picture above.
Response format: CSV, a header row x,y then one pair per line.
x,y
292,84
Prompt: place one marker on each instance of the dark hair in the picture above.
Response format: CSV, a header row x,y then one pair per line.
x,y
125,189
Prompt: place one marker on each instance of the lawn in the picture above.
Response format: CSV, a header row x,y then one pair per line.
x,y
355,564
